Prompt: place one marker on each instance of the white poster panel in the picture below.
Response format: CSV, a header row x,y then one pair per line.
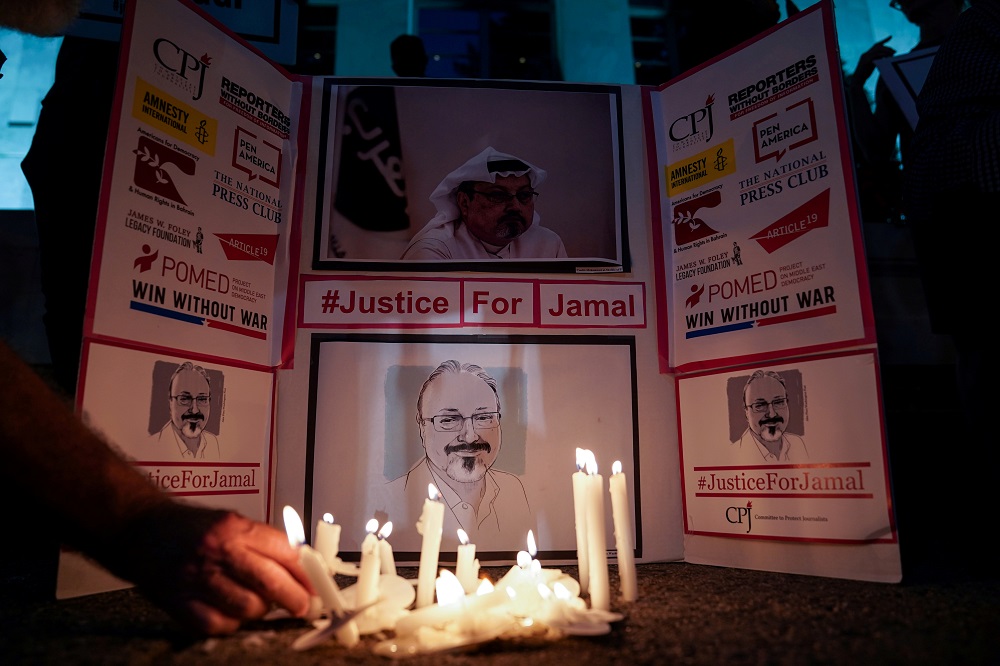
x,y
515,447
195,221
760,238
198,430
792,451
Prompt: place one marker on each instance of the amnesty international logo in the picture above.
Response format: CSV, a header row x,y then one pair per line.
x,y
173,117
700,169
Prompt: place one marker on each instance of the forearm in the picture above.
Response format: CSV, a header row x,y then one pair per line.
x,y
58,463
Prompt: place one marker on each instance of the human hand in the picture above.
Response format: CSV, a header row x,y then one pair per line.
x,y
866,63
211,569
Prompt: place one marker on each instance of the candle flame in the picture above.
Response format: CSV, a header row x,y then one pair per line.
x,y
432,492
532,549
449,589
485,587
385,531
293,527
591,463
581,458
523,558
543,591
616,467
562,592
328,518
462,536
371,526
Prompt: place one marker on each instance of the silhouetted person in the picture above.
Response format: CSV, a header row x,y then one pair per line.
x,y
875,131
409,58
951,189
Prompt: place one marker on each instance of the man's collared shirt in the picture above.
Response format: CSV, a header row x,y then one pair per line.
x,y
208,444
452,241
793,449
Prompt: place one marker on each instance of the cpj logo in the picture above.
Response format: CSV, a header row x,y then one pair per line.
x,y
737,515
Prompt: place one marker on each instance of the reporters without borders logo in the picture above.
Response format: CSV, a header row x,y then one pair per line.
x,y
736,514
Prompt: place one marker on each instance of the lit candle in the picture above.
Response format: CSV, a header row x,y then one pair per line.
x,y
314,566
430,526
467,566
328,541
385,550
580,515
595,536
623,532
455,609
368,574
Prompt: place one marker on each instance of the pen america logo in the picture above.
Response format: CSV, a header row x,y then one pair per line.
x,y
180,67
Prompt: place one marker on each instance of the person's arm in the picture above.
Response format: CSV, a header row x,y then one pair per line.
x,y
210,569
873,132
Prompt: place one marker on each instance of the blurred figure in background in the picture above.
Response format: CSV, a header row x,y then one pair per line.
x,y
409,58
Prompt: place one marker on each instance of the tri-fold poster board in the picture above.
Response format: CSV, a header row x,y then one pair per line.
x,y
690,299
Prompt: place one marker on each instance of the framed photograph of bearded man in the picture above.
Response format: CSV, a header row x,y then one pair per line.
x,y
435,175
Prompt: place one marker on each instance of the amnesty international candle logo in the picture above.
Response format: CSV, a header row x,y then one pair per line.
x,y
173,117
702,168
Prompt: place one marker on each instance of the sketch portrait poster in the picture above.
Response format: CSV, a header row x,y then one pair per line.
x,y
833,486
554,394
129,396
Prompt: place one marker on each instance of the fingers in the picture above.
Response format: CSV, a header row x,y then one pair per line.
x,y
205,619
262,561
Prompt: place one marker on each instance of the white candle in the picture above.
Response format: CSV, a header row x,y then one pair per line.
x,y
580,515
368,573
455,608
386,557
467,566
430,526
623,533
314,566
328,541
599,598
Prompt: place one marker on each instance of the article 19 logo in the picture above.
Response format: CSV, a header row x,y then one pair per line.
x,y
736,515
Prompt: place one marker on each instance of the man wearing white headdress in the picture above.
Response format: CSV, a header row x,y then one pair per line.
x,y
486,210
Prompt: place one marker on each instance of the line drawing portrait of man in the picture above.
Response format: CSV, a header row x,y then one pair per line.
x,y
486,210
459,420
190,402
765,401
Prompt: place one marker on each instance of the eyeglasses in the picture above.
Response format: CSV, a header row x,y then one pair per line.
x,y
186,399
760,406
455,422
499,197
